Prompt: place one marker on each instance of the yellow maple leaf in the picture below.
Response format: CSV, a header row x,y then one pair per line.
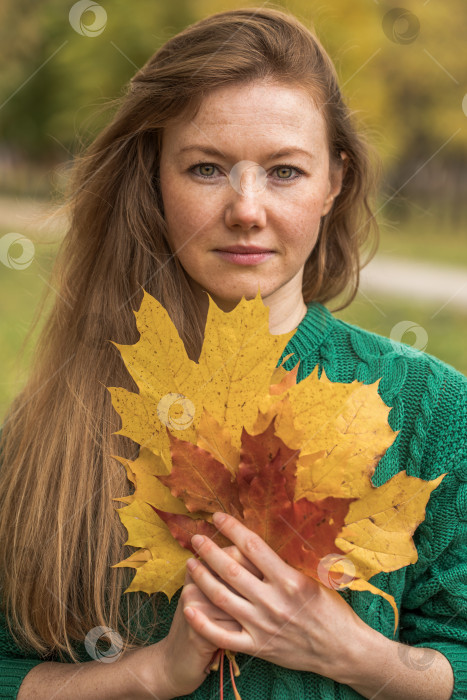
x,y
187,414
234,369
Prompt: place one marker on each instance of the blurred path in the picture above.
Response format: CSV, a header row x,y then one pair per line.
x,y
22,215
414,280
18,212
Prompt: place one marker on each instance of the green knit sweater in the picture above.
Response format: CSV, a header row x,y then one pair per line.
x,y
429,408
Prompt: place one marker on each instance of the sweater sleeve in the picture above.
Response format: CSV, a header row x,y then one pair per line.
x,y
12,673
434,602
14,664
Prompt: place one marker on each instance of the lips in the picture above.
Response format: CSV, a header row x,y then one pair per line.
x,y
245,250
254,256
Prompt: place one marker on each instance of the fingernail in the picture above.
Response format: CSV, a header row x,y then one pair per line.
x,y
191,564
218,518
189,613
197,541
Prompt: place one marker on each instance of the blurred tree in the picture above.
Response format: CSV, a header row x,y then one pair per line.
x,y
402,71
57,79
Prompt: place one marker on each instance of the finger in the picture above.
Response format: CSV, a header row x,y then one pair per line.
x,y
224,637
189,580
233,573
220,594
219,578
194,597
234,552
220,616
213,612
252,546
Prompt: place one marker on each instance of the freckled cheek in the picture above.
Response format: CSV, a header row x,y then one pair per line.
x,y
305,228
304,206
298,247
186,221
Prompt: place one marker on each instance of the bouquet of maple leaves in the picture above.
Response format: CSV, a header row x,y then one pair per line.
x,y
235,433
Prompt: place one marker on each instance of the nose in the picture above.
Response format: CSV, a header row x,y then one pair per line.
x,y
245,207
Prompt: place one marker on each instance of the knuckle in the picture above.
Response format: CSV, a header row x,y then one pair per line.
x,y
232,569
206,545
252,543
233,552
292,586
282,615
219,599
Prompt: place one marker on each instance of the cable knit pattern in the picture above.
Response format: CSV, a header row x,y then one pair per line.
x,y
428,401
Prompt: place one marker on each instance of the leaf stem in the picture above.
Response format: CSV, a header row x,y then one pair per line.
x,y
221,676
236,693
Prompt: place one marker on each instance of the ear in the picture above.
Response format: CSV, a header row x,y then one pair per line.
x,y
336,176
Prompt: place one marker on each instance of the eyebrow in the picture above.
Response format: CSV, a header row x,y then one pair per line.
x,y
210,151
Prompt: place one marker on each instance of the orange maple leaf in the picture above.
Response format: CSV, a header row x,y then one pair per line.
x,y
261,496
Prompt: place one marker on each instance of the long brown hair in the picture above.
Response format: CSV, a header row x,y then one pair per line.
x,y
59,532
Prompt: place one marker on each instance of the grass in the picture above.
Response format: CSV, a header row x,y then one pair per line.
x,y
20,291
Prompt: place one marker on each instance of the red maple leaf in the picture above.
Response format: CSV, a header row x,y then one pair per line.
x,y
261,497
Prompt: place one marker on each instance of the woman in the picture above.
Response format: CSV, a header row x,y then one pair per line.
x,y
233,134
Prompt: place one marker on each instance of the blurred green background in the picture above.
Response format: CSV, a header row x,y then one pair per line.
x,y
402,71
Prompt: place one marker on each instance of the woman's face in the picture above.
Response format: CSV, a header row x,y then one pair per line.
x,y
234,175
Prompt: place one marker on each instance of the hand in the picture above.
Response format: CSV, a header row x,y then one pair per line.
x,y
186,655
284,616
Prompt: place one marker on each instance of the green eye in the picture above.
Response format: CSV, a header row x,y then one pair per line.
x,y
207,171
206,165
281,169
